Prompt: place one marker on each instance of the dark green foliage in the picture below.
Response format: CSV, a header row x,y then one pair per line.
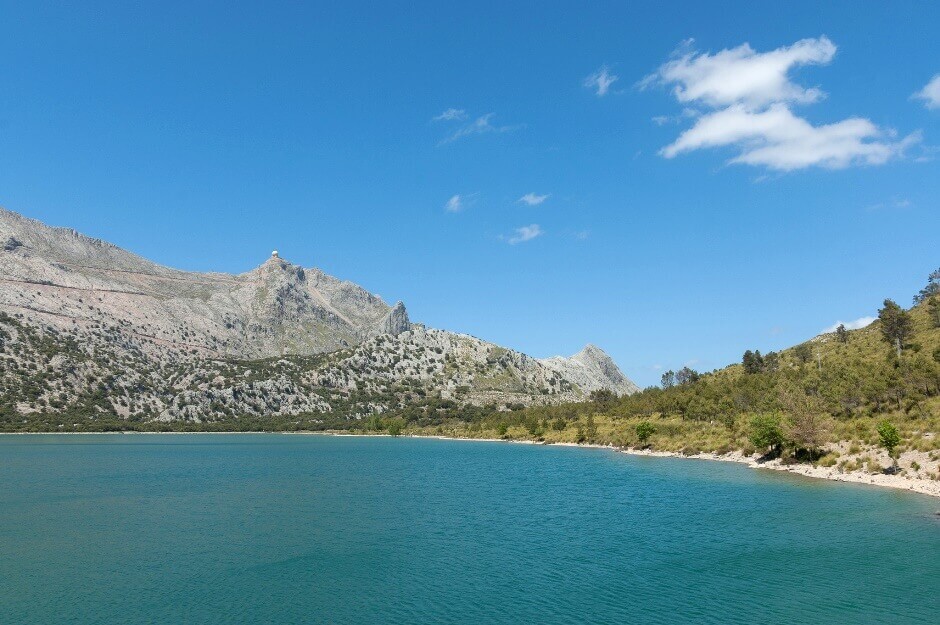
x,y
889,436
753,362
532,425
587,432
842,334
896,324
803,352
603,396
644,429
932,288
766,433
685,375
668,379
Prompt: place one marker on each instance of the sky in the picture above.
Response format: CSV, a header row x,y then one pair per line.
x,y
676,184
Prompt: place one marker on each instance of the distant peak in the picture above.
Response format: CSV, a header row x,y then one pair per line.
x,y
591,352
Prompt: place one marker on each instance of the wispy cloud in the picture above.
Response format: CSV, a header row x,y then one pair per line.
x,y
750,95
896,203
687,113
861,322
455,204
451,115
525,233
533,199
479,126
600,81
582,235
930,94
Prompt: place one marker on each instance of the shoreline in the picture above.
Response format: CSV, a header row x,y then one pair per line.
x,y
917,485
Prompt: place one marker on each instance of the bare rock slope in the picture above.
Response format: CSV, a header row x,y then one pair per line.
x,y
88,328
593,369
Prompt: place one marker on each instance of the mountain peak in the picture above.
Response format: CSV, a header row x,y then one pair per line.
x,y
592,369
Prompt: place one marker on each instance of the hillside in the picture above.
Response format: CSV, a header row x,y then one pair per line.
x,y
93,336
825,398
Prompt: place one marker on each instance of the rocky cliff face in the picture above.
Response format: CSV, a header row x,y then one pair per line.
x,y
87,326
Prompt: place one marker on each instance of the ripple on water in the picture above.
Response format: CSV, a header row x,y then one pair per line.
x,y
301,529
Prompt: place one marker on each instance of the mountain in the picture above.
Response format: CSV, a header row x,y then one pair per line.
x,y
592,368
89,330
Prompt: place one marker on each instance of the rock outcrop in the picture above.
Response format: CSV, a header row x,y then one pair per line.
x,y
394,322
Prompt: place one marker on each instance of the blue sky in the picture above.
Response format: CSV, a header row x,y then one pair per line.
x,y
686,198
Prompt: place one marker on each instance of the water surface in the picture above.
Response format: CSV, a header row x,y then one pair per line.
x,y
310,529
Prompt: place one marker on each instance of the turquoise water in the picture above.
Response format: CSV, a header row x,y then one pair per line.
x,y
311,529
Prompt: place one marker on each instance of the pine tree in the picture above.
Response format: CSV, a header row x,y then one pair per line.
x,y
753,362
932,288
668,379
896,324
842,334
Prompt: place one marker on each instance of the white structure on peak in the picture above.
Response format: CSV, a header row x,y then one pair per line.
x,y
274,254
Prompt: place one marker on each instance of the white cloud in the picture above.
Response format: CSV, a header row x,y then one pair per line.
x,y
930,94
454,204
533,199
861,322
778,139
600,81
525,233
481,125
451,115
741,75
751,96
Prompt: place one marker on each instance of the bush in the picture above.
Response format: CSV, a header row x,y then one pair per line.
x,y
644,429
766,433
889,436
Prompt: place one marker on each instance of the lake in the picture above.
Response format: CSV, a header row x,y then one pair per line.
x,y
258,528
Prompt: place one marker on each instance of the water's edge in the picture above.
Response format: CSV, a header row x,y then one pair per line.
x,y
912,484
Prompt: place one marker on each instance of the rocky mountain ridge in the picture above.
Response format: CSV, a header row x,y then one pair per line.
x,y
90,328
